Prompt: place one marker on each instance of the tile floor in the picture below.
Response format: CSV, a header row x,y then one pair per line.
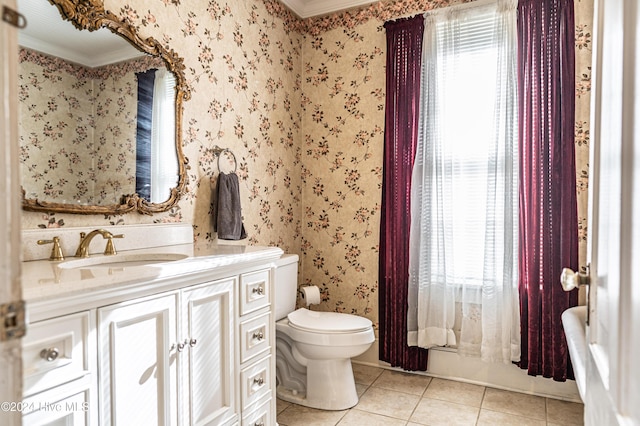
x,y
389,398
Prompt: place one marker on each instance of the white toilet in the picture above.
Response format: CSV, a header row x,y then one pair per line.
x,y
314,349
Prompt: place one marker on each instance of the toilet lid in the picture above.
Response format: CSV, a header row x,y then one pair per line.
x,y
327,322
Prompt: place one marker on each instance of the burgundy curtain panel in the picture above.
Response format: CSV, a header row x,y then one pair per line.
x,y
548,210
404,48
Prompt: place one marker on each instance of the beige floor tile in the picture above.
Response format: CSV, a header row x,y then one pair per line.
x,y
297,415
434,412
365,374
360,389
516,403
281,405
565,412
493,418
402,382
389,403
359,418
458,392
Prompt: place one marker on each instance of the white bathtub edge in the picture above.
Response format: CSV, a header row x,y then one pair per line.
x,y
574,323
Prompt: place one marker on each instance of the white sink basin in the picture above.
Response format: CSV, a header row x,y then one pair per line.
x,y
122,260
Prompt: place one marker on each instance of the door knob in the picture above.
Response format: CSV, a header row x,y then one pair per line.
x,y
570,279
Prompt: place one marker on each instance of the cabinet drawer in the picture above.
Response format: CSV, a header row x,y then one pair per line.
x,y
255,382
255,290
260,417
56,351
254,337
68,405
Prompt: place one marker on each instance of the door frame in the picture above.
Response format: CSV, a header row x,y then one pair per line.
x,y
10,287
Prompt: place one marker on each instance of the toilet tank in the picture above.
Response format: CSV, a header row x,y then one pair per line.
x,y
286,285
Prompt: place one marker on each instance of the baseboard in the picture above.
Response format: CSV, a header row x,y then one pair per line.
x,y
447,364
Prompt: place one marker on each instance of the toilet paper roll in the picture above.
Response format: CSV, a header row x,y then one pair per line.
x,y
311,295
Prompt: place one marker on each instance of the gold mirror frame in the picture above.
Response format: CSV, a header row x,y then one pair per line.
x,y
90,15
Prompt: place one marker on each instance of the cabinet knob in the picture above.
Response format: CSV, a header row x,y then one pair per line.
x,y
258,424
258,290
258,381
181,346
49,354
193,342
259,335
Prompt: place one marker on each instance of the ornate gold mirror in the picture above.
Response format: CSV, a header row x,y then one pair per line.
x,y
100,113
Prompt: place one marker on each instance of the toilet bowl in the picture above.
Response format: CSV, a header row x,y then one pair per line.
x,y
314,349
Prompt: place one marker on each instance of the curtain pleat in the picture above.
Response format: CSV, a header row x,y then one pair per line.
x,y
404,47
548,207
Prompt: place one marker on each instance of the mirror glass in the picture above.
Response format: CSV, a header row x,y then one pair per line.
x,y
99,114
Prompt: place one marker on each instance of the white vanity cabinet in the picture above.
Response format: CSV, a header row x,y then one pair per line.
x,y
192,345
169,359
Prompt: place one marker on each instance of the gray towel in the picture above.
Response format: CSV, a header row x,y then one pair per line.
x,y
227,217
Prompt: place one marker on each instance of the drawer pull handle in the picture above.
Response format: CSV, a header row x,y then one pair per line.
x,y
50,354
258,335
258,381
193,342
258,290
258,424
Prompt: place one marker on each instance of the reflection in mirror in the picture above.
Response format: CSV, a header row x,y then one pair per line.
x,y
99,119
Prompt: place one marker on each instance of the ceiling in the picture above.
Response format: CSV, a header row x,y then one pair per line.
x,y
48,33
309,8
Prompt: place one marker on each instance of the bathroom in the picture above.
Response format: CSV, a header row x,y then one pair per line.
x,y
268,86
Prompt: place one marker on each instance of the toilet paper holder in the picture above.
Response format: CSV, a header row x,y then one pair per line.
x,y
310,295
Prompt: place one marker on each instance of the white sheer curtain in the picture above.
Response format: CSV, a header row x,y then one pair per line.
x,y
464,199
164,157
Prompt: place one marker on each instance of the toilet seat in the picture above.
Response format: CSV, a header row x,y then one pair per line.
x,y
327,322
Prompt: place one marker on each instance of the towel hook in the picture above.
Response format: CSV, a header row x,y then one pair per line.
x,y
218,151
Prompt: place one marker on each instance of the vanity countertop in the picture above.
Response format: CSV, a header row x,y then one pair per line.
x,y
51,288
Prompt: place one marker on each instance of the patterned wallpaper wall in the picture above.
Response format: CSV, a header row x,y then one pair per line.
x,y
301,105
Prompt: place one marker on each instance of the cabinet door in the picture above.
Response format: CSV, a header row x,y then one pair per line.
x,y
208,324
138,367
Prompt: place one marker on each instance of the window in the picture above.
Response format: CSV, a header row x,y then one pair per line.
x,y
464,200
471,159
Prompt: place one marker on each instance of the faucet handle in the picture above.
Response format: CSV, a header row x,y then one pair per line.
x,y
110,249
56,250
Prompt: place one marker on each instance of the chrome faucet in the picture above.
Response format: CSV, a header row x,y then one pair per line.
x,y
85,240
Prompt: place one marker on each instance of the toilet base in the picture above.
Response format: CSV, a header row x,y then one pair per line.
x,y
330,386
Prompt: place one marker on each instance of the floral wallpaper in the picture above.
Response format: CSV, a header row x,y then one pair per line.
x,y
78,128
300,103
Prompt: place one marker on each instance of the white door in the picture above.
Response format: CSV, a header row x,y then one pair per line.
x,y
208,380
613,371
10,289
137,362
